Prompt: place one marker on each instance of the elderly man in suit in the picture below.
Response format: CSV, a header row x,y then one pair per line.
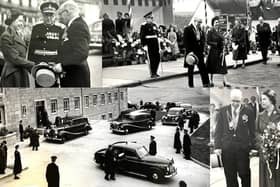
x,y
234,137
194,41
264,37
75,47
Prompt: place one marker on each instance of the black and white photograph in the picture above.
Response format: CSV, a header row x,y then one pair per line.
x,y
104,136
49,43
244,137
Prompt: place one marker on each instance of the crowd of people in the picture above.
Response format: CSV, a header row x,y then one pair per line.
x,y
57,45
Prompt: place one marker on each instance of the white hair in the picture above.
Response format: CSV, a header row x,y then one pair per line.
x,y
71,6
236,94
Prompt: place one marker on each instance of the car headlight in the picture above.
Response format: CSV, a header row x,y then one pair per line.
x,y
167,169
177,118
164,117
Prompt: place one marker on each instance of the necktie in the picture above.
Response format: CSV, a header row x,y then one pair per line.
x,y
234,117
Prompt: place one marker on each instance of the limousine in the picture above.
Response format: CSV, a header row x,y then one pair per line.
x,y
67,128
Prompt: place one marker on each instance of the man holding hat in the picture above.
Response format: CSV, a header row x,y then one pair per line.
x,y
149,37
46,36
194,41
52,173
234,137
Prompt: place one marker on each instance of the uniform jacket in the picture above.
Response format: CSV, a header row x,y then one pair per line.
x,y
45,38
52,175
244,135
73,55
148,29
264,34
191,43
153,148
15,71
17,164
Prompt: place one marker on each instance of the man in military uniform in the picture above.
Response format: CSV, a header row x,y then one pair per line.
x,y
149,36
46,37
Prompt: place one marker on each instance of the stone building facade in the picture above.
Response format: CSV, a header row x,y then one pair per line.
x,y
26,104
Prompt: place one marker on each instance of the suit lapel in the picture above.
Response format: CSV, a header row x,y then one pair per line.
x,y
228,115
240,116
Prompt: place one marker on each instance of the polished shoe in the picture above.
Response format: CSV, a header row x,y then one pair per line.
x,y
113,178
16,177
157,75
226,85
106,178
211,84
264,62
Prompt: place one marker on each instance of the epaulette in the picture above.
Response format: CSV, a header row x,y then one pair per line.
x,y
38,23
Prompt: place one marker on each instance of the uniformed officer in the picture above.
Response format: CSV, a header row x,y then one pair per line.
x,y
46,37
149,36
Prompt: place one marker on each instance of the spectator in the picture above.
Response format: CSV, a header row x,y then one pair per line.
x,y
278,38
264,37
177,141
17,163
3,157
240,42
187,145
172,37
119,22
21,131
35,140
182,184
52,173
153,146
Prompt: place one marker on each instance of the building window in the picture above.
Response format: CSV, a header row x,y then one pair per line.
x,y
164,2
110,115
146,2
116,96
94,99
23,110
54,106
160,2
139,2
122,96
105,2
86,101
103,116
103,99
154,3
116,2
124,2
66,105
76,103
168,1
109,98
132,3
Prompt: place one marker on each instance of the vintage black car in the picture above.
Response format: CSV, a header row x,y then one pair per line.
x,y
131,121
135,159
66,128
174,116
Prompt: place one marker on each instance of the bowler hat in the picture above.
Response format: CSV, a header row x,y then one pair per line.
x,y
43,74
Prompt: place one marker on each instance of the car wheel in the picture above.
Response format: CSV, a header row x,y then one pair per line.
x,y
155,176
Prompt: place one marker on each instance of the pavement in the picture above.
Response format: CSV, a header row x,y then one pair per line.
x,y
134,75
217,177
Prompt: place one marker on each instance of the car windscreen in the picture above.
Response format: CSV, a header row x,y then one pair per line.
x,y
142,151
174,112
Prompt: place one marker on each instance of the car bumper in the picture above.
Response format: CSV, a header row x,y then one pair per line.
x,y
53,138
118,130
171,175
95,45
170,122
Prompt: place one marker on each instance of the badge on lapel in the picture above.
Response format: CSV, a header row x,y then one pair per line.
x,y
245,118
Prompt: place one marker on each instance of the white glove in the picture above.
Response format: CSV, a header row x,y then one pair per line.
x,y
218,151
57,68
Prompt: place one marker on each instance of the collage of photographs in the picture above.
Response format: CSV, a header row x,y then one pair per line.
x,y
145,93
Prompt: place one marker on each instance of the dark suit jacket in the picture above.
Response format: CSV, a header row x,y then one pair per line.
x,y
52,175
73,55
191,43
16,67
264,34
245,130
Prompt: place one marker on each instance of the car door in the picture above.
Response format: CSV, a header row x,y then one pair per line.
x,y
132,162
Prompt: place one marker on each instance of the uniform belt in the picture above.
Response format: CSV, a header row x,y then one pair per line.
x,y
151,36
45,52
